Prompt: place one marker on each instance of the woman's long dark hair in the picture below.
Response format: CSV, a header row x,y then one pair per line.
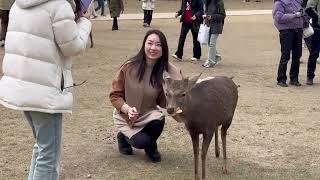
x,y
162,64
78,11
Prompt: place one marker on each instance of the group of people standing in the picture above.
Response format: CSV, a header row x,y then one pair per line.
x,y
37,77
116,8
193,13
37,68
290,18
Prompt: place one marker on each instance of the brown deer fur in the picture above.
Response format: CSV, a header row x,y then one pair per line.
x,y
203,107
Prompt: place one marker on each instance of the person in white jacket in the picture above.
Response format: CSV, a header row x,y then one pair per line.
x,y
42,36
147,6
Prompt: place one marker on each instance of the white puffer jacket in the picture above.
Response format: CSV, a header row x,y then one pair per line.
x,y
148,4
42,35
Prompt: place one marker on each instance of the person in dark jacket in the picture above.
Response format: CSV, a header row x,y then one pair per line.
x,y
215,15
115,7
307,40
313,10
191,17
289,20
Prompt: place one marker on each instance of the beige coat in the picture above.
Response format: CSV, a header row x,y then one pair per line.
x,y
126,89
6,4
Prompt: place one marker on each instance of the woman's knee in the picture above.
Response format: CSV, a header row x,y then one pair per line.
x,y
140,140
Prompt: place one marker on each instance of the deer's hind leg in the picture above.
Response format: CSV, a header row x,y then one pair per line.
x,y
207,137
91,39
224,129
195,143
216,142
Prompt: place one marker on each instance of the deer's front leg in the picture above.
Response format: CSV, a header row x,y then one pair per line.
x,y
195,143
205,145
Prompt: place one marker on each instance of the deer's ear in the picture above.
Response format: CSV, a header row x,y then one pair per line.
x,y
195,78
166,78
182,75
166,75
193,81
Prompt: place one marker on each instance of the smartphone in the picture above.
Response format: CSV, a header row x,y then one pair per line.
x,y
85,5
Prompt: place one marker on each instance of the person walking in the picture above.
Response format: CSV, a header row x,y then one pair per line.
x,y
5,6
116,8
42,37
215,15
147,6
289,20
191,12
101,7
307,40
94,14
313,10
137,91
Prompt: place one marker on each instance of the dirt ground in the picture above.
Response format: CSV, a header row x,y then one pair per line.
x,y
134,6
274,134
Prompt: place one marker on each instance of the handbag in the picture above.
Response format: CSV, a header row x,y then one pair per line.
x,y
308,31
203,34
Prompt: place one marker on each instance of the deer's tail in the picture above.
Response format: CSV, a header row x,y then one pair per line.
x,y
231,77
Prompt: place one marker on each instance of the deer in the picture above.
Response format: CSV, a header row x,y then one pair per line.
x,y
203,106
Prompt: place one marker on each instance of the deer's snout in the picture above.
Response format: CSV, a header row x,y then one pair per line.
x,y
170,110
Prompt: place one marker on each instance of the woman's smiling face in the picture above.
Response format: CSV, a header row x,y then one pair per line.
x,y
153,48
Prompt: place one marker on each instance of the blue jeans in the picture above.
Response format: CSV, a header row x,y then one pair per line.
x,y
47,131
212,52
101,6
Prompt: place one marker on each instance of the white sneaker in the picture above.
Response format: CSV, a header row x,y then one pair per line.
x,y
194,59
176,57
218,59
209,64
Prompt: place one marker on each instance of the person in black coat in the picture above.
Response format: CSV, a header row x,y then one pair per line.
x,y
215,15
191,17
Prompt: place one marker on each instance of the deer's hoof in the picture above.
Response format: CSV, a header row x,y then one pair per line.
x,y
225,170
196,177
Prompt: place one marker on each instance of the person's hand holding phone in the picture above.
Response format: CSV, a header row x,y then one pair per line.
x,y
207,17
176,15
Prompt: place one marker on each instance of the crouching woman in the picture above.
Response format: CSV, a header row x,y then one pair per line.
x,y
137,91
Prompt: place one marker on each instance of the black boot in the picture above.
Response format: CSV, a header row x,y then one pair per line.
x,y
124,146
115,24
153,153
309,81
